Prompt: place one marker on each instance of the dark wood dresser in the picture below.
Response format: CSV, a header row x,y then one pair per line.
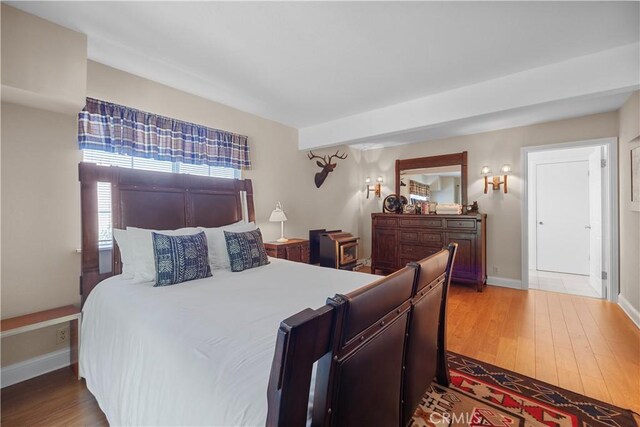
x,y
293,250
398,239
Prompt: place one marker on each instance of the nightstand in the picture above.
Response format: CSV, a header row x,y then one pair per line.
x,y
293,250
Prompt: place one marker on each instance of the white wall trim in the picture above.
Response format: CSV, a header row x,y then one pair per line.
x,y
629,310
614,233
35,366
504,282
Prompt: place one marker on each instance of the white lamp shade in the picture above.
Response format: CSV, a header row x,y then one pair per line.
x,y
505,169
277,216
485,171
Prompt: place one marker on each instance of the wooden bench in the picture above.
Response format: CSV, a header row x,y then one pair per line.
x,y
42,319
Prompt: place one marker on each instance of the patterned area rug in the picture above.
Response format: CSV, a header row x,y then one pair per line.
x,y
485,395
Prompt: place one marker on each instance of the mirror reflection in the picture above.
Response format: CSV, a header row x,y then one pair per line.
x,y
434,185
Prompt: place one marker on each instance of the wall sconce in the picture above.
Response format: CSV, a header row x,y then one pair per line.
x,y
376,188
505,170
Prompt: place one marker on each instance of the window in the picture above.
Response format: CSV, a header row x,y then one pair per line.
x,y
112,159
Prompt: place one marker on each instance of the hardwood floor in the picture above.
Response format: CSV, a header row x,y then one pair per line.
x,y
582,344
579,343
53,399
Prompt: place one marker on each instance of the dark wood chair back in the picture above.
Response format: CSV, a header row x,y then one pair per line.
x,y
360,381
425,356
372,368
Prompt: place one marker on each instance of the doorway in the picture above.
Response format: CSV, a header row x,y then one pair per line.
x,y
569,213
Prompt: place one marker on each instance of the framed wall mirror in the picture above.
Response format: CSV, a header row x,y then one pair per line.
x,y
440,179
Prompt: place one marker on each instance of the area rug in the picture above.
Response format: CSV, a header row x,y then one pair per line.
x,y
484,395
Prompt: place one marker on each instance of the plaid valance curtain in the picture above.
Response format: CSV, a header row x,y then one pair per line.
x,y
118,129
418,188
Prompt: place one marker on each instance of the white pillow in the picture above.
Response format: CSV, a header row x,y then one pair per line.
x,y
126,252
218,255
142,243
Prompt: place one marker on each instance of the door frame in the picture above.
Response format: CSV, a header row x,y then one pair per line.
x,y
612,200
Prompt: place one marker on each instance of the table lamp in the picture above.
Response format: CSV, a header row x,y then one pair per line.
x,y
278,216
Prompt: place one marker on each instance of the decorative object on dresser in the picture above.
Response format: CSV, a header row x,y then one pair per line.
x,y
376,188
326,165
505,170
339,250
293,250
278,216
471,209
399,239
448,209
393,203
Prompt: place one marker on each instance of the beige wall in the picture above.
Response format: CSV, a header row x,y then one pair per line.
x,y
44,65
629,220
40,220
493,149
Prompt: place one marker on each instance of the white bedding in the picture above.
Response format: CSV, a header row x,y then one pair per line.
x,y
200,352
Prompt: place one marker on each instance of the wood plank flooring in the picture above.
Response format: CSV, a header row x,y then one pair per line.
x,y
582,344
579,343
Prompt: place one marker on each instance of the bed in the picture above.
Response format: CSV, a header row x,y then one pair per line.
x,y
240,348
220,332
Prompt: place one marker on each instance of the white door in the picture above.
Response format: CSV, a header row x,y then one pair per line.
x,y
562,218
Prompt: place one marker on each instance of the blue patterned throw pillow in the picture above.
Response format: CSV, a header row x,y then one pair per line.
x,y
246,250
180,258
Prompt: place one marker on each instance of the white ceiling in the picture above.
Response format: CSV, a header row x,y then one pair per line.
x,y
308,63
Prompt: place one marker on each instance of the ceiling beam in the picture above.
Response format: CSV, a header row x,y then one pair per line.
x,y
601,74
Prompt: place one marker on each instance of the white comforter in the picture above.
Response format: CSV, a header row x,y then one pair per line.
x,y
200,352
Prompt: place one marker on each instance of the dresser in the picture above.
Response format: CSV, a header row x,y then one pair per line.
x,y
398,239
293,250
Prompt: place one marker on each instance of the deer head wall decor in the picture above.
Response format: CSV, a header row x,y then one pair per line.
x,y
326,165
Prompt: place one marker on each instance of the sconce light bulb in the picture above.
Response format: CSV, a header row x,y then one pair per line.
x,y
367,180
486,170
380,179
506,169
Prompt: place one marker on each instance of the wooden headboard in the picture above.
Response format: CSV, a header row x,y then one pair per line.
x,y
155,200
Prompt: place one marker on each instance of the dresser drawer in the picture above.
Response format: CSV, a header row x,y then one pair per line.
x,y
421,222
385,222
431,239
412,236
416,252
467,224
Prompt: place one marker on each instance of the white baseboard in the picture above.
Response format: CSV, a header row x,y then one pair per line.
x,y
503,282
34,367
630,310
